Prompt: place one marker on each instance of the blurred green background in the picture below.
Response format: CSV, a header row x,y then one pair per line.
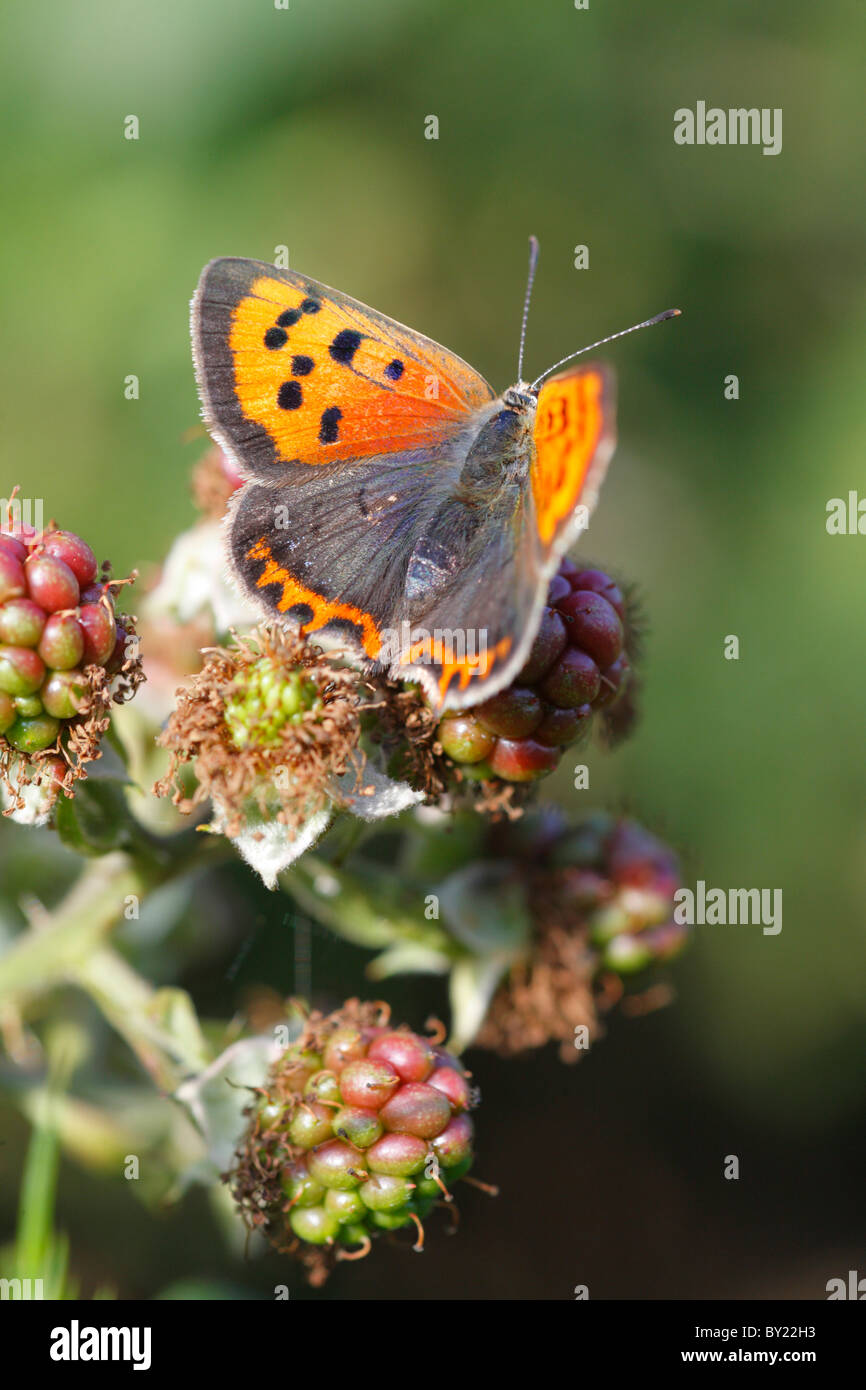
x,y
305,127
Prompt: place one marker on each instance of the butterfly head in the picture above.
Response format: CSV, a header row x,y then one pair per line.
x,y
520,397
501,449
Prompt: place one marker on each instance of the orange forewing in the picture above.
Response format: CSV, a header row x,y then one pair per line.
x,y
573,442
393,391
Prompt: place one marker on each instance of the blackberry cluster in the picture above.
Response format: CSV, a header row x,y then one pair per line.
x,y
620,881
601,898
56,619
579,665
360,1129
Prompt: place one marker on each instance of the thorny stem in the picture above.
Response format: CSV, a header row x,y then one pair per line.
x,y
355,915
159,1025
48,954
69,946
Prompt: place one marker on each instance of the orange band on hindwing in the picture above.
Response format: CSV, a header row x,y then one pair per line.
x,y
439,653
324,610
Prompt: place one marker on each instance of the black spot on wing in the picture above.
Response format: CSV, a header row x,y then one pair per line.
x,y
302,365
289,317
345,345
290,396
395,369
310,306
276,338
329,424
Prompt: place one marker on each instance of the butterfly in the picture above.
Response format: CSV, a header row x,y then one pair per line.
x,y
391,498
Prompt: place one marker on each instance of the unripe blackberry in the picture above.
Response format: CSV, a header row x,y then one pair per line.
x,y
64,692
99,628
21,622
57,632
28,705
8,712
22,671
631,926
453,1083
34,734
365,1141
74,552
617,881
50,582
398,1154
61,645
418,1110
600,898
578,664
269,699
412,1058
12,545
12,581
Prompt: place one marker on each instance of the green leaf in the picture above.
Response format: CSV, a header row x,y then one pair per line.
x,y
485,908
174,1012
473,984
96,818
204,1291
408,958
217,1097
443,843
364,906
115,743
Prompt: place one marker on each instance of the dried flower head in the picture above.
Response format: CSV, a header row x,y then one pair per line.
x,y
407,729
270,725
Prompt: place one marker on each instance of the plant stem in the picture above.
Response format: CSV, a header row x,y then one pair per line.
x,y
61,940
160,1025
47,955
367,909
39,1253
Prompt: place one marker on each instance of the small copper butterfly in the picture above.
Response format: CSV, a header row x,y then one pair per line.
x,y
391,495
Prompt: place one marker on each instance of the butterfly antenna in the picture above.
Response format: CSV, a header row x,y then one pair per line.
x,y
533,262
647,323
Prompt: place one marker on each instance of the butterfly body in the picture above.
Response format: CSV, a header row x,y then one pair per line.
x,y
392,500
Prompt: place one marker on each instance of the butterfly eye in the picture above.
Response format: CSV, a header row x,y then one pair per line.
x,y
519,400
